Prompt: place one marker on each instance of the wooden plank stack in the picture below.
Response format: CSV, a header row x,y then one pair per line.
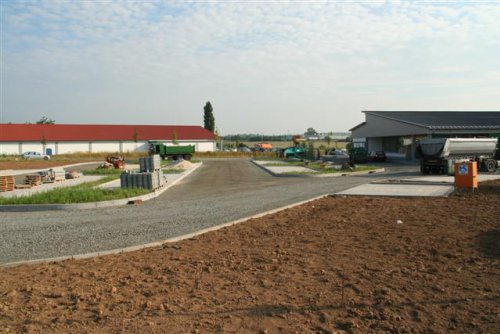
x,y
7,183
33,180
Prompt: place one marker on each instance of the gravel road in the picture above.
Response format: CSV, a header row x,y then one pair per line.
x,y
220,191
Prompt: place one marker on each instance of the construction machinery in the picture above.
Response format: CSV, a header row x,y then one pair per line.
x,y
438,155
173,152
296,151
116,162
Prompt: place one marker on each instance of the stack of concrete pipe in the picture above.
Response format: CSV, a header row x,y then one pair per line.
x,y
150,175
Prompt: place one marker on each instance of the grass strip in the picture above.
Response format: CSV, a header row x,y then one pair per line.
x,y
172,171
102,171
82,193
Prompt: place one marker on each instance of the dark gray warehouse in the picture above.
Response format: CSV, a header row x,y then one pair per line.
x,y
397,132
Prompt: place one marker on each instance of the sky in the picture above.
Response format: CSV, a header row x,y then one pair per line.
x,y
272,67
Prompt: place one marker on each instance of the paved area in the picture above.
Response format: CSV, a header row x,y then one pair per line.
x,y
402,190
419,186
451,179
297,170
220,191
282,169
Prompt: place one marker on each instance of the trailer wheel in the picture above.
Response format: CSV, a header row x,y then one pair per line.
x,y
187,157
490,165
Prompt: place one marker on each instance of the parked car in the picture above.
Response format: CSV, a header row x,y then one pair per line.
x,y
244,149
377,156
337,157
35,156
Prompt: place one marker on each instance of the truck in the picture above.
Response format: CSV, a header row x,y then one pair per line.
x,y
438,155
173,152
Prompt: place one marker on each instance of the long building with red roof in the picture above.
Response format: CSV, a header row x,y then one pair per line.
x,y
72,138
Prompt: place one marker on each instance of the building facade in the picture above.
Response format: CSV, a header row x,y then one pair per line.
x,y
73,138
398,132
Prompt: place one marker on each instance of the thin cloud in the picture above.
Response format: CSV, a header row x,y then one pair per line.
x,y
162,60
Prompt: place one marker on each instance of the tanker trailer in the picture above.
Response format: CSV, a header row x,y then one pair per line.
x,y
437,155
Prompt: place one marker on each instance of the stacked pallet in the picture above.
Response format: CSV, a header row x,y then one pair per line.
x,y
7,183
33,180
150,164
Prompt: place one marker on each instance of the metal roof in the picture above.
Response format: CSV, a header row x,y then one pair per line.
x,y
445,120
87,132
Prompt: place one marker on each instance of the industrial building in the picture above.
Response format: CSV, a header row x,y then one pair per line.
x,y
397,132
72,138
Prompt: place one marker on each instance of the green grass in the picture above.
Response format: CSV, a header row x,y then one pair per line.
x,y
102,171
172,171
82,193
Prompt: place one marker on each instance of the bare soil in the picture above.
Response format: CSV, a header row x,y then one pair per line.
x,y
338,264
37,164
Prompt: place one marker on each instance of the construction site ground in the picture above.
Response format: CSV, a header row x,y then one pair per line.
x,y
43,165
337,264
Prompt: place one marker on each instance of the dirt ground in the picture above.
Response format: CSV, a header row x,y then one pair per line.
x,y
36,164
335,265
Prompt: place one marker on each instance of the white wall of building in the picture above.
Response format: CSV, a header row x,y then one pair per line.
x,y
15,148
205,147
9,148
72,147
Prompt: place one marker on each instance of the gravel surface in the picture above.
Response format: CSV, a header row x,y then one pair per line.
x,y
220,191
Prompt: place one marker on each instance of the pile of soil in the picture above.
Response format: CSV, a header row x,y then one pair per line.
x,y
180,164
338,264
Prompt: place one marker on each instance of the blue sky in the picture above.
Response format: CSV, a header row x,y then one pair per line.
x,y
267,67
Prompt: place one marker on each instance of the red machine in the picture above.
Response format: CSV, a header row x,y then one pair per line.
x,y
116,162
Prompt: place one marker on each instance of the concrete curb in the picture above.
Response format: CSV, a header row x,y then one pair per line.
x,y
379,170
94,205
160,243
445,195
277,174
407,182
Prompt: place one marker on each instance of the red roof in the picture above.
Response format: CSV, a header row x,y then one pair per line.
x,y
87,132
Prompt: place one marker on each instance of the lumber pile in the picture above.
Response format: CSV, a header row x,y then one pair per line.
x,y
33,180
7,183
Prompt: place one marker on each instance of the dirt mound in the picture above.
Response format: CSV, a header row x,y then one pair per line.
x,y
180,164
353,265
